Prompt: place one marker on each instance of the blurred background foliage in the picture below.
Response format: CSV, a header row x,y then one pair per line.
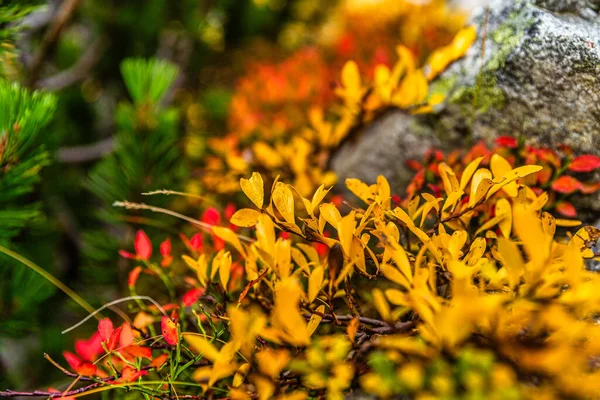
x,y
139,96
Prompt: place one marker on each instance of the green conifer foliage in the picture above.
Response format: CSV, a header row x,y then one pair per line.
x,y
145,157
24,117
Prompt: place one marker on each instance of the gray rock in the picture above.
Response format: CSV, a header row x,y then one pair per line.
x,y
383,148
540,78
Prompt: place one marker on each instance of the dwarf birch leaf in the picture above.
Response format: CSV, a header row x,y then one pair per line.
x,y
512,176
314,283
246,217
352,329
500,167
381,304
169,330
202,346
254,189
284,201
230,237
503,209
315,320
468,172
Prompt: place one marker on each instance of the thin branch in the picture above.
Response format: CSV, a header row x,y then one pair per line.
x,y
85,153
62,17
77,72
142,206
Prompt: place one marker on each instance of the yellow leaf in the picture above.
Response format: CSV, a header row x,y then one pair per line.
x,y
352,328
448,178
254,189
230,237
482,180
503,209
245,217
360,189
394,275
314,283
223,262
267,156
345,229
476,251
548,224
500,166
318,198
202,346
381,304
283,258
468,172
240,375
265,234
396,297
284,201
315,320
512,261
330,214
512,176
567,223
462,41
272,362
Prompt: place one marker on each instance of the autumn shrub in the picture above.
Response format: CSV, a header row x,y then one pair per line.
x,y
467,294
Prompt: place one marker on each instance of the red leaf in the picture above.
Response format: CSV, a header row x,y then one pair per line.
x,y
73,361
211,216
86,369
196,241
566,209
549,156
114,339
414,165
134,274
127,254
89,350
230,209
507,141
138,351
105,329
143,246
130,374
159,361
169,330
585,163
589,188
566,184
165,247
126,338
192,296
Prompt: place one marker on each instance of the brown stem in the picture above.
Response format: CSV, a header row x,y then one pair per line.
x,y
63,15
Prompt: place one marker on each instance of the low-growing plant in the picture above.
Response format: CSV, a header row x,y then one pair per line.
x,y
467,294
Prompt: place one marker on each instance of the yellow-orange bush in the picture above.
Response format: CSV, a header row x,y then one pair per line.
x,y
287,117
467,295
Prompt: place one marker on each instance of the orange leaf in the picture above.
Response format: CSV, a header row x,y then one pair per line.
x,y
589,188
112,342
169,330
585,163
566,209
143,246
134,275
566,184
138,351
159,361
